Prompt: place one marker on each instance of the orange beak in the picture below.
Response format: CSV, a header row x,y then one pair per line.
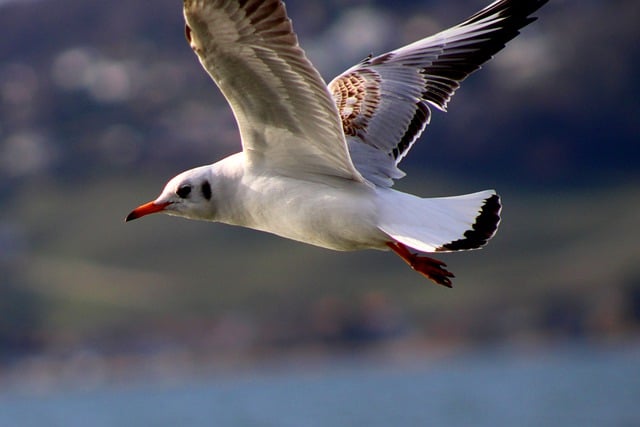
x,y
146,209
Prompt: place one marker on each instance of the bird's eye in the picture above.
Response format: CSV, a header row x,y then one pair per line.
x,y
184,191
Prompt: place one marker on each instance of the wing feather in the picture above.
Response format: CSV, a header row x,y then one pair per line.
x,y
287,119
384,101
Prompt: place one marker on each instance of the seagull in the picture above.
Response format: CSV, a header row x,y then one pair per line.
x,y
318,161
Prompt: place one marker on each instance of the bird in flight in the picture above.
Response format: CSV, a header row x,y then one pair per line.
x,y
318,161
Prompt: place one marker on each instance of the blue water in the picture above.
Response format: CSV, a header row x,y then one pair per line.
x,y
569,387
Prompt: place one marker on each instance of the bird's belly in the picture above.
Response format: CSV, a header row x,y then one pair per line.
x,y
342,216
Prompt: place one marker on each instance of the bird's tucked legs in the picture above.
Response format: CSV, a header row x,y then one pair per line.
x,y
428,267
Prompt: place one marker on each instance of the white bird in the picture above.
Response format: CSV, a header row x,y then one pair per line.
x,y
318,161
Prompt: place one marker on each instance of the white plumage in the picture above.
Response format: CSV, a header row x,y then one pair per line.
x,y
318,161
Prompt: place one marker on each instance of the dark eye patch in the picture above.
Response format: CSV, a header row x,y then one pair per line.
x,y
184,191
206,190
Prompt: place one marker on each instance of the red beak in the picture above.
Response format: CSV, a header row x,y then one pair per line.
x,y
146,209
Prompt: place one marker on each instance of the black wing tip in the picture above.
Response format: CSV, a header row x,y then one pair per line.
x,y
443,77
515,14
521,8
483,229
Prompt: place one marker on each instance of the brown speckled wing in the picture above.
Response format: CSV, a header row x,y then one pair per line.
x,y
384,101
357,96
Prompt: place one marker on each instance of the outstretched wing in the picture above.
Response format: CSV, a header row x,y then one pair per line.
x,y
384,101
287,119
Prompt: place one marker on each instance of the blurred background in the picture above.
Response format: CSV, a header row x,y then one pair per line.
x,y
165,321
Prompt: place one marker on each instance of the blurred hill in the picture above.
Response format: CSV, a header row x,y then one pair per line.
x,y
101,102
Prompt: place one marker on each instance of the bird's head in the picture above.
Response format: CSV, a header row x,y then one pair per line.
x,y
188,195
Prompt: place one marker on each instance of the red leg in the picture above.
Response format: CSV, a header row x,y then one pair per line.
x,y
428,267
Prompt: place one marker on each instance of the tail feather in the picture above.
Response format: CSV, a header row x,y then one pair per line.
x,y
440,224
483,229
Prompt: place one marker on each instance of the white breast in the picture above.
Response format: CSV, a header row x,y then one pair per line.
x,y
336,214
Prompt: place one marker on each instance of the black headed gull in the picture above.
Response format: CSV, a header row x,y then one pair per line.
x,y
318,161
